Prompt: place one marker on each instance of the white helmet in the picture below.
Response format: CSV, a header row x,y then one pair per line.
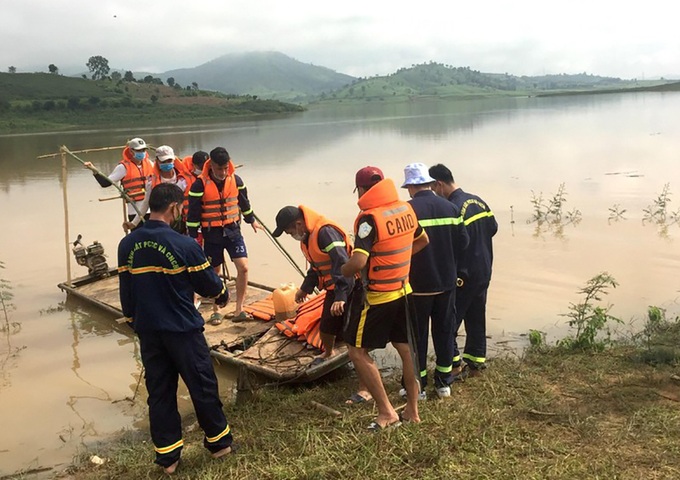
x,y
137,144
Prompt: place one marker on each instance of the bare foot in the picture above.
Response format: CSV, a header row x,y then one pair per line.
x,y
171,469
222,453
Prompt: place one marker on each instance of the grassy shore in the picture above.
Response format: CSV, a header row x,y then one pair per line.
x,y
549,414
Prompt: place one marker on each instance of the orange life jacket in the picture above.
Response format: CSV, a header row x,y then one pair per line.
x,y
262,309
134,181
180,173
319,260
395,222
220,207
308,315
188,167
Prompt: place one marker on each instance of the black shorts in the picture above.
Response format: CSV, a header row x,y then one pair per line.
x,y
332,325
229,239
376,325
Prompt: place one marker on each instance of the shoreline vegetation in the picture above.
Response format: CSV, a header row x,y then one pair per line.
x,y
46,102
585,407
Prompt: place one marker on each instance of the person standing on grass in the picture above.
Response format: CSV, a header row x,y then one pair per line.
x,y
474,269
326,248
217,200
386,235
433,275
159,271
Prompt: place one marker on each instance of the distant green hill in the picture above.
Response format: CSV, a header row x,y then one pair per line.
x,y
436,79
42,101
265,74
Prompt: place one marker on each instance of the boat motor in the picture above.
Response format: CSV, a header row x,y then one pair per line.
x,y
91,257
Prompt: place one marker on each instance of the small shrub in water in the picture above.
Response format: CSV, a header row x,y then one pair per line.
x,y
590,319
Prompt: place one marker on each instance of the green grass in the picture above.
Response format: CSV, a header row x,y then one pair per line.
x,y
547,415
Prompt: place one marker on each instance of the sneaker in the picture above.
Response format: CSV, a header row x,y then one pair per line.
x,y
421,396
443,392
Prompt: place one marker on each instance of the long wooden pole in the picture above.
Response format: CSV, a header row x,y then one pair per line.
x,y
103,149
94,170
67,234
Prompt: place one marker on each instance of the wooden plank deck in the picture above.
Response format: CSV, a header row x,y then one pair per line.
x,y
255,345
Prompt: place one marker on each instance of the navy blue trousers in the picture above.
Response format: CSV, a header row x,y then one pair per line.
x,y
471,310
167,356
437,311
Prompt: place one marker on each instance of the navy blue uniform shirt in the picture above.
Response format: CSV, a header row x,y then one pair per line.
x,y
481,225
159,270
434,268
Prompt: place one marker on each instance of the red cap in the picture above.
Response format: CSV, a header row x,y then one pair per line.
x,y
367,177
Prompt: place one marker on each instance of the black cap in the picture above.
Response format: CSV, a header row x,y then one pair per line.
x,y
284,218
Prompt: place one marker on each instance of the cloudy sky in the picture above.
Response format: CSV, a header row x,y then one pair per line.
x,y
356,37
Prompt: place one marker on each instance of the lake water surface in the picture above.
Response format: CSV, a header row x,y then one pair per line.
x,y
63,369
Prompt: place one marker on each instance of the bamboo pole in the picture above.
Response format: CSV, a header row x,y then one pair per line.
x,y
102,149
94,170
67,234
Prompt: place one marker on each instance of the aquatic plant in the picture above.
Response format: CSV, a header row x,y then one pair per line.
x,y
550,212
658,210
616,213
6,297
590,319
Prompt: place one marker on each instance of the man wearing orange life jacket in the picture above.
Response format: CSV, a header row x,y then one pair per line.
x,y
133,172
193,165
166,169
326,247
386,235
217,199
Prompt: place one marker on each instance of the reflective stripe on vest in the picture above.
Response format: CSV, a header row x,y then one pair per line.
x,y
320,260
220,207
134,181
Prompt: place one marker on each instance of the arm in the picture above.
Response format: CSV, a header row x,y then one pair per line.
x,y
355,264
461,238
420,240
195,208
308,284
364,238
243,201
116,176
332,242
202,276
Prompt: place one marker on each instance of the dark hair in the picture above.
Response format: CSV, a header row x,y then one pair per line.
x,y
442,173
199,158
163,195
219,155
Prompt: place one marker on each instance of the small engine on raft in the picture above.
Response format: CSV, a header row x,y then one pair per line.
x,y
91,257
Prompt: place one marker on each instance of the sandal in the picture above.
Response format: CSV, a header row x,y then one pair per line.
x,y
242,317
375,427
317,361
215,319
356,398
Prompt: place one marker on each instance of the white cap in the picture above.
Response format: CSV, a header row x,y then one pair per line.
x,y
164,153
137,144
416,174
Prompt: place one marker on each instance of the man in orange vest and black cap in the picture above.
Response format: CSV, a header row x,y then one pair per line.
x,y
326,247
386,235
217,199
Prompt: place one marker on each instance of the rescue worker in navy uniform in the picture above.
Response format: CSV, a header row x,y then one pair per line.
x,y
474,268
386,235
217,199
134,174
159,271
433,275
326,247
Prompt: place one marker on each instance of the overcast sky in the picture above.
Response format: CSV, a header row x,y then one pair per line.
x,y
361,38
